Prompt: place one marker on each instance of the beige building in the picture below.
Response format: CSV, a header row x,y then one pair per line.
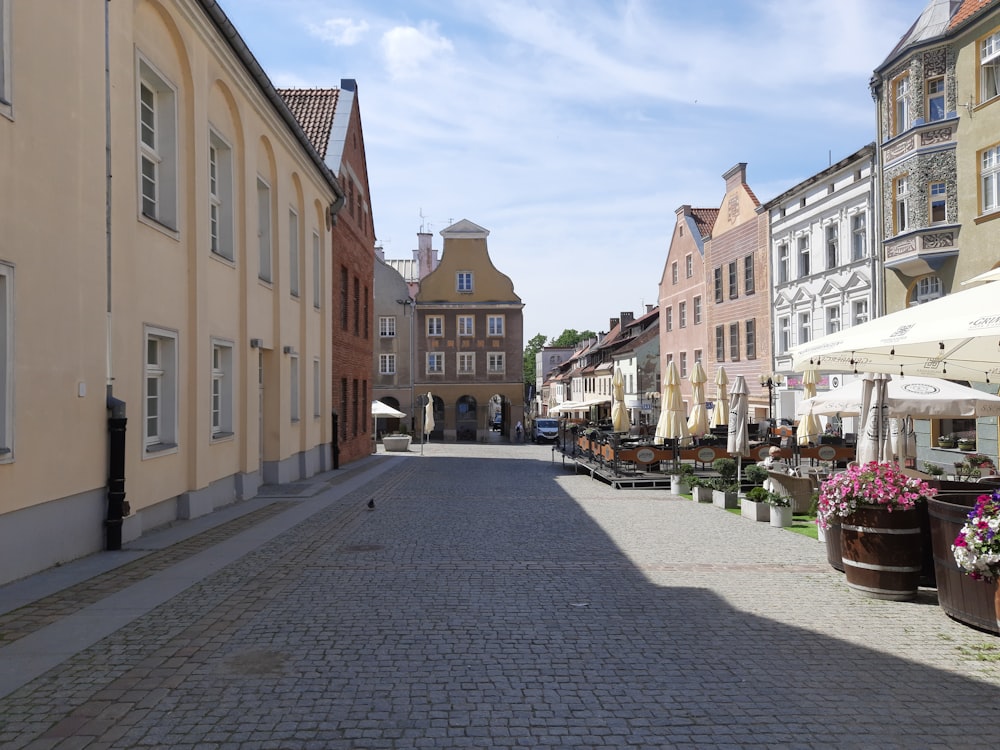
x,y
165,335
469,339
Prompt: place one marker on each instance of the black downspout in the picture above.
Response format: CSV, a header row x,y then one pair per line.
x,y
335,444
118,507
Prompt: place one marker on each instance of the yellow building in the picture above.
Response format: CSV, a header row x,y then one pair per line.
x,y
164,268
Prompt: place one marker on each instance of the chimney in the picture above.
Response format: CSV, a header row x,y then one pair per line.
x,y
425,255
649,308
614,322
627,317
379,253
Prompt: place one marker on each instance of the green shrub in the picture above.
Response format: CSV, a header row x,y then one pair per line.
x,y
754,473
726,468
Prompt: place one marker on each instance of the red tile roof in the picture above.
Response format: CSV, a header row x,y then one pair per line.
x,y
705,219
314,109
967,9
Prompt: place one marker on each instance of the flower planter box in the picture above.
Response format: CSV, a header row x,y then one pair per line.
x,y
967,445
834,555
396,443
945,443
678,485
781,516
703,494
725,500
754,511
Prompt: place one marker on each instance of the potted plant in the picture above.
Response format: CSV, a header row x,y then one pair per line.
x,y
755,505
396,443
883,514
977,546
935,470
753,476
780,509
947,441
701,489
724,488
680,479
966,444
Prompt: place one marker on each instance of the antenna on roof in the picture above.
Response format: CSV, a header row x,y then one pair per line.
x,y
422,217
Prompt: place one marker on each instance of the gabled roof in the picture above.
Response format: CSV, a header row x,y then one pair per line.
x,y
967,10
704,219
939,19
315,110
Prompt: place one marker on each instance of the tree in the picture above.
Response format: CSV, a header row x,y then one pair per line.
x,y
535,344
571,337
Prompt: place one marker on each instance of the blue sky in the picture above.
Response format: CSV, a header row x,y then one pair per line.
x,y
573,129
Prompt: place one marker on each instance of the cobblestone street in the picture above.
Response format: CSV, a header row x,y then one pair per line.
x,y
493,598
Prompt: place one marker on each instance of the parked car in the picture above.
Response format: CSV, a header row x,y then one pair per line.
x,y
545,428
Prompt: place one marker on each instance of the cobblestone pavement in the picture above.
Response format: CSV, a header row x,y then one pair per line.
x,y
492,599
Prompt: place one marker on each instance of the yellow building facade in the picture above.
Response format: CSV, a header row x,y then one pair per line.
x,y
164,267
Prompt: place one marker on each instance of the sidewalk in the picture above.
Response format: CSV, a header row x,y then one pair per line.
x,y
493,598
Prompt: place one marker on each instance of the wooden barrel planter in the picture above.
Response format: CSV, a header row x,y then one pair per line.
x,y
962,598
882,552
834,547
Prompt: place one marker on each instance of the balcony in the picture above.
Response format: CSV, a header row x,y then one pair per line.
x,y
922,251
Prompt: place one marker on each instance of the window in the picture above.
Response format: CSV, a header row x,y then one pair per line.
x,y
696,310
317,272
293,253
157,147
720,343
355,421
926,289
734,342
293,387
901,206
494,325
803,256
859,236
357,306
344,289
935,99
900,110
751,338
466,363
668,320
222,388
464,281
387,364
831,246
317,390
220,196
160,394
783,263
435,363
784,335
748,280
805,327
263,230
343,408
368,317
495,363
938,194
684,364
6,354
989,67
860,311
435,325
688,266
387,326
697,355
719,297
833,319
682,314
989,176
466,325
734,288
673,272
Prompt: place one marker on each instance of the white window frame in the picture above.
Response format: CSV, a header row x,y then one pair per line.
x,y
989,67
222,389
294,392
435,363
859,311
386,364
159,429
466,325
5,58
264,225
495,325
734,342
294,253
387,326
317,272
465,363
688,266
784,334
156,123
6,362
220,196
833,319
682,314
317,388
804,265
668,318
937,196
464,282
900,104
935,93
684,364
901,203
989,179
805,327
927,288
495,363
696,310
783,263
435,325
859,236
832,246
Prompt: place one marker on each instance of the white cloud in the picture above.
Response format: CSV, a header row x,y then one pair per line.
x,y
342,32
408,49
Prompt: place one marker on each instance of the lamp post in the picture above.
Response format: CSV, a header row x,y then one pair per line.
x,y
412,304
771,381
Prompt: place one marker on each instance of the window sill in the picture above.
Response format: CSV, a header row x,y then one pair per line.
x,y
987,217
159,449
221,437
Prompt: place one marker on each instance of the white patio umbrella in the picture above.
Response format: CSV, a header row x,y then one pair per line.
x,y
875,443
619,414
429,415
738,440
381,409
698,420
671,425
908,397
809,428
956,336
720,414
904,439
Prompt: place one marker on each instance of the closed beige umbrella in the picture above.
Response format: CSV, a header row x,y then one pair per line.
x,y
809,428
720,414
619,414
672,425
698,421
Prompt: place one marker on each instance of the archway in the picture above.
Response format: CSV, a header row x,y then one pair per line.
x,y
466,418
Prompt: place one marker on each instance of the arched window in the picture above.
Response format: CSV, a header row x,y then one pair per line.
x,y
926,289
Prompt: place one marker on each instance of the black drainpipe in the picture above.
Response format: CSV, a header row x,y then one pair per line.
x,y
335,444
118,507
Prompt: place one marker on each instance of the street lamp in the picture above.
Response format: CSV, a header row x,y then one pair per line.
x,y
771,381
412,304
